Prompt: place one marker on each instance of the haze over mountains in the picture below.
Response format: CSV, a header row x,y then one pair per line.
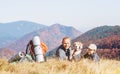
x,y
101,35
106,37
51,35
12,31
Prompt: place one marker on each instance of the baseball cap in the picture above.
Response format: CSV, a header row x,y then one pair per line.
x,y
92,47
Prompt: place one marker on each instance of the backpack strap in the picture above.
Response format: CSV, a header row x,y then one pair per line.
x,y
29,50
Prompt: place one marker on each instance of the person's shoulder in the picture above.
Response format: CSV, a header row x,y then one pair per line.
x,y
59,50
60,47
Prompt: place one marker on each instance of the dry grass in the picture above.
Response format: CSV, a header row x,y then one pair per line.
x,y
53,66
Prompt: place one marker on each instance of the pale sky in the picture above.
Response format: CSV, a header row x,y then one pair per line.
x,y
81,14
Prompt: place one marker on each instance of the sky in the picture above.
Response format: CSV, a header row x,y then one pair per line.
x,y
81,14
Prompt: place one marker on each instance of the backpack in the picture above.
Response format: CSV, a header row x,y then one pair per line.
x,y
30,49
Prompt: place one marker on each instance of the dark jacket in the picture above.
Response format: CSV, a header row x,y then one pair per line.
x,y
94,57
62,53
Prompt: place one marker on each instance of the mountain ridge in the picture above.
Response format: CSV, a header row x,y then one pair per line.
x,y
105,37
51,35
12,31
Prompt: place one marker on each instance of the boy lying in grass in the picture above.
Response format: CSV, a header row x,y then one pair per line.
x,y
91,53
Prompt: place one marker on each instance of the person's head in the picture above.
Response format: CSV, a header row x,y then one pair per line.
x,y
91,49
66,42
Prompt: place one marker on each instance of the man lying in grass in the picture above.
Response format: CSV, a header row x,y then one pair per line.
x,y
91,53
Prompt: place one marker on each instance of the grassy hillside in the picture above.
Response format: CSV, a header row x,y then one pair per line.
x,y
107,39
53,66
99,33
102,36
109,42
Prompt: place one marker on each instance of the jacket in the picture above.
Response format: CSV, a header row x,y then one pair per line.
x,y
62,53
93,56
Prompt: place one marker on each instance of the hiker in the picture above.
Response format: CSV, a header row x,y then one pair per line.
x,y
76,51
37,49
91,53
64,50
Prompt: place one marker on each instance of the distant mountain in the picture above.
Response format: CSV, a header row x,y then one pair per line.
x,y
51,35
6,53
105,37
100,36
12,31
